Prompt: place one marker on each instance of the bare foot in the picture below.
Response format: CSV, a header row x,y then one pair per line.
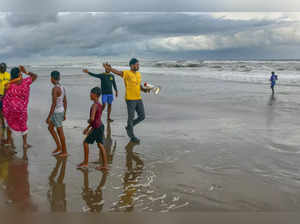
x,y
102,168
25,158
7,143
56,151
110,120
9,151
62,155
82,165
27,146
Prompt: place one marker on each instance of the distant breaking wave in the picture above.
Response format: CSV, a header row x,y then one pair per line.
x,y
235,71
243,66
179,64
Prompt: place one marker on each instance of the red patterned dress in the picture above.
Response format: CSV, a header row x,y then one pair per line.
x,y
15,105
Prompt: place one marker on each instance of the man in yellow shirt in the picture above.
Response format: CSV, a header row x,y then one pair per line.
x,y
132,81
4,79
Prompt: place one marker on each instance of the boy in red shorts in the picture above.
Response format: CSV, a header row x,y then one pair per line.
x,y
95,130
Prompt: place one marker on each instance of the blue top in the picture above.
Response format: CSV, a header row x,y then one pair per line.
x,y
273,79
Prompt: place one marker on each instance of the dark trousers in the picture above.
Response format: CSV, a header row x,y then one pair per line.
x,y
132,107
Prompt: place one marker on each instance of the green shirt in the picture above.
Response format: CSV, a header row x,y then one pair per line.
x,y
107,82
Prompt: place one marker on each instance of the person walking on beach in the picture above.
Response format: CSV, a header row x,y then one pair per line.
x,y
107,82
273,80
95,131
57,115
15,104
132,81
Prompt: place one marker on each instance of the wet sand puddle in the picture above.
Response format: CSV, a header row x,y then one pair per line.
x,y
129,185
136,187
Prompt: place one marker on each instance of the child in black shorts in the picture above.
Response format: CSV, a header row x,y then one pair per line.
x,y
95,130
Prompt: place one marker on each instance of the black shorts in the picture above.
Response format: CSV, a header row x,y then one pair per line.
x,y
96,134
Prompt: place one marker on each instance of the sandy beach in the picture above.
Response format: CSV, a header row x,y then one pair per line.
x,y
206,145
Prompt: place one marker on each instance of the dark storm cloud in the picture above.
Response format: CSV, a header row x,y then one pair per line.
x,y
102,34
30,19
180,23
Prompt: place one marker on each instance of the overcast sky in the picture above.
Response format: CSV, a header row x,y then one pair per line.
x,y
152,5
218,35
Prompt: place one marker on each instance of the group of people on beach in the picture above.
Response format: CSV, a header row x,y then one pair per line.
x,y
14,98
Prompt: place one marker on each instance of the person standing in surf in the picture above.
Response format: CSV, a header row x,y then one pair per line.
x,y
132,80
273,80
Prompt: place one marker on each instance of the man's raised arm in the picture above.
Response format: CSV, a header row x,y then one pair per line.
x,y
115,71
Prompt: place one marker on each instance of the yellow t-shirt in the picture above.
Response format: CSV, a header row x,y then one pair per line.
x,y
4,78
132,83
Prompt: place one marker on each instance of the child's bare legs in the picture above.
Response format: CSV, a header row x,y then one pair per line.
x,y
108,113
104,157
9,139
62,138
9,142
2,128
86,156
25,144
55,137
25,157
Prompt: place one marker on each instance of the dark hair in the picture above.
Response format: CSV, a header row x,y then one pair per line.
x,y
133,61
97,91
14,73
55,75
3,67
273,73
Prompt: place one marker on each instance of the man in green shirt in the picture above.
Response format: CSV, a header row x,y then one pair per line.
x,y
107,82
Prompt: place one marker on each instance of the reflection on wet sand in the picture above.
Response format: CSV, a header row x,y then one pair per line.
x,y
4,162
272,99
110,149
14,173
57,191
93,198
110,146
270,114
131,179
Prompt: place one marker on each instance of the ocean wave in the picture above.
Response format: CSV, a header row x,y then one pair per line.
x,y
178,64
235,71
243,66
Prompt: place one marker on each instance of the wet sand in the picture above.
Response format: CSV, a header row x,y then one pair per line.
x,y
206,145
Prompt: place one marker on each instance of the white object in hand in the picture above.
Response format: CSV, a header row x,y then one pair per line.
x,y
152,88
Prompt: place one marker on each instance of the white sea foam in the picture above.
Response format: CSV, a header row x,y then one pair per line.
x,y
238,71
